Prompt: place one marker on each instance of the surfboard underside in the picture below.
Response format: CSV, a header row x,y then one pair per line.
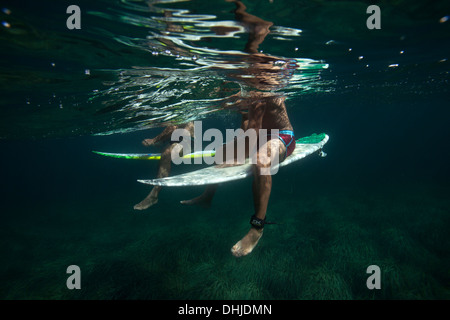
x,y
213,175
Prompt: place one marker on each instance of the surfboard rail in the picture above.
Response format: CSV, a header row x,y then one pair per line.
x,y
213,175
312,139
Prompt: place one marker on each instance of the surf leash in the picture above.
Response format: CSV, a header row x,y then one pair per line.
x,y
258,223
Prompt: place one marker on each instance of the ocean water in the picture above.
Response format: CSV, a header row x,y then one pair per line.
x,y
380,197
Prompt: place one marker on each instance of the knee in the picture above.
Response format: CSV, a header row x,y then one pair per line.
x,y
174,149
262,169
176,146
262,164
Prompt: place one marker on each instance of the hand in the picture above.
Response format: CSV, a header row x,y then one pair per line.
x,y
147,142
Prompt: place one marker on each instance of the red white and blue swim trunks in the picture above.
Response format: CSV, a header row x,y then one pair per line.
x,y
288,139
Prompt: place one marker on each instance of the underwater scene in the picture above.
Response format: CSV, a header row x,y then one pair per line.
x,y
364,215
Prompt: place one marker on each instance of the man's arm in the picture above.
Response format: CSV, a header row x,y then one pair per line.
x,y
255,116
244,120
163,136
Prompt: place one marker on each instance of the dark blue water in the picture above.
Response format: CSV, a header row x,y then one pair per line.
x,y
380,197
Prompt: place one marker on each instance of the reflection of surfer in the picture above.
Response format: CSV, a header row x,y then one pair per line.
x,y
163,139
266,110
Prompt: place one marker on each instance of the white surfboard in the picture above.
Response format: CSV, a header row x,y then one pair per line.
x,y
213,175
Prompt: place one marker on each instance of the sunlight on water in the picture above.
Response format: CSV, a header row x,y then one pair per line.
x,y
195,62
196,79
141,64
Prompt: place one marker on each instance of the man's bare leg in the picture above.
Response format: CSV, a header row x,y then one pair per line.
x,y
150,200
262,186
163,171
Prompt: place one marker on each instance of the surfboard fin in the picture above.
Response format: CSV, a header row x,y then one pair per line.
x,y
322,154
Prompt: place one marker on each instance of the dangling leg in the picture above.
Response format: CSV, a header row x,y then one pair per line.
x,y
163,171
262,186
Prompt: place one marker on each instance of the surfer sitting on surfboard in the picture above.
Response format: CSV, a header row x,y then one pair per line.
x,y
267,113
266,110
163,139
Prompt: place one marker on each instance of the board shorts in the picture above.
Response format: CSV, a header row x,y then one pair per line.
x,y
288,139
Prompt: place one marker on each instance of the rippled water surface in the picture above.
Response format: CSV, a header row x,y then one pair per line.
x,y
139,64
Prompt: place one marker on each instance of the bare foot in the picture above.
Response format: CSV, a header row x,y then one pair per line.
x,y
146,203
204,199
201,201
247,243
147,142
